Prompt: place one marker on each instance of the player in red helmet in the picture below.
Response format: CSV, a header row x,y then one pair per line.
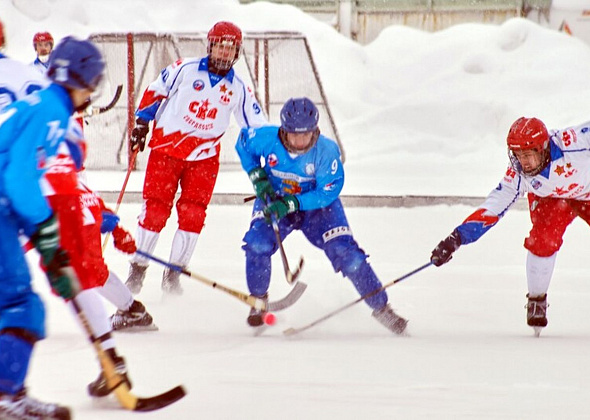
x,y
190,103
553,169
43,45
223,47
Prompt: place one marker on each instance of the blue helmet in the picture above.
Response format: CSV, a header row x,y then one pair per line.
x,y
299,115
76,64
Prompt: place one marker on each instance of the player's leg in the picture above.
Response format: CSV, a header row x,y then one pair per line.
x,y
550,218
161,183
328,229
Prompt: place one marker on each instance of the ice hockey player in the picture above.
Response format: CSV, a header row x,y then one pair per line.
x,y
299,187
43,45
31,130
190,103
80,215
553,169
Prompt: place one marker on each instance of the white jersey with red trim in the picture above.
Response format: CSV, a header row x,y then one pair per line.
x,y
567,176
61,174
192,107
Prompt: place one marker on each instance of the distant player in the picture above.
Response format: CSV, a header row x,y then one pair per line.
x,y
299,186
43,45
553,169
190,103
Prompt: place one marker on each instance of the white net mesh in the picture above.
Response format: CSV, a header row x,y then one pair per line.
x,y
277,65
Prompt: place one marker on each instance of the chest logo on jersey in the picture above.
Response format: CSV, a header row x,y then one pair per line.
x,y
309,169
569,137
566,170
272,160
198,85
202,110
536,184
226,94
571,189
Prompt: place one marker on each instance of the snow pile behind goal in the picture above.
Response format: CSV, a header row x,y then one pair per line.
x,y
277,65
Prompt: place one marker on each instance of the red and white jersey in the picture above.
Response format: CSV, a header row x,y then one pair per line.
x,y
567,176
61,174
192,107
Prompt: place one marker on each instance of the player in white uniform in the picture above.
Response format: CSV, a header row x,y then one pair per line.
x,y
43,45
553,168
190,103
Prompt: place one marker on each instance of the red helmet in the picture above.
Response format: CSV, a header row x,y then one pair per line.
x,y
224,33
528,134
42,37
1,34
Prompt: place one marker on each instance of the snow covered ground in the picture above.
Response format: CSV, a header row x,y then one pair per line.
x,y
419,114
470,354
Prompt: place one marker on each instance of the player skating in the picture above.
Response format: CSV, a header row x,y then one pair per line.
x,y
190,103
31,130
553,169
298,188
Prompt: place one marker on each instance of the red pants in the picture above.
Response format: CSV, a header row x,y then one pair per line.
x,y
163,176
79,230
550,217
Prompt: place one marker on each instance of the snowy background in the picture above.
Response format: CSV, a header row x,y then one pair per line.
x,y
420,114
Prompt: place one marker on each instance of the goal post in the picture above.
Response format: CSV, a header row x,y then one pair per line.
x,y
276,65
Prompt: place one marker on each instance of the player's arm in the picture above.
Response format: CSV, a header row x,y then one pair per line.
x,y
498,202
248,113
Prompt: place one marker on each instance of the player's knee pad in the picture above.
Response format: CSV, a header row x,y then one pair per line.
x,y
155,215
27,317
259,242
191,217
543,246
345,255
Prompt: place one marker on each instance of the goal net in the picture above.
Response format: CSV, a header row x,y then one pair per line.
x,y
277,65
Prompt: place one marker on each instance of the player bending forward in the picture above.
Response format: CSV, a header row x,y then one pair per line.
x,y
554,169
299,187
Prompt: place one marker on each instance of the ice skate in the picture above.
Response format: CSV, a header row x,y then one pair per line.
x,y
99,387
136,276
390,320
171,282
22,407
256,316
536,315
136,318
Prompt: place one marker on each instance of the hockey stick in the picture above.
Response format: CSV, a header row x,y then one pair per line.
x,y
126,398
293,331
291,276
120,198
95,111
252,301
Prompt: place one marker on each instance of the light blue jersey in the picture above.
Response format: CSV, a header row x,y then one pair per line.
x,y
316,177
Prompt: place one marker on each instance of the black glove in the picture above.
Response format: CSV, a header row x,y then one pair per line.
x,y
55,260
281,207
139,134
444,250
261,183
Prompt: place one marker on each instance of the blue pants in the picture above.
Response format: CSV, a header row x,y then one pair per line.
x,y
22,315
327,229
20,306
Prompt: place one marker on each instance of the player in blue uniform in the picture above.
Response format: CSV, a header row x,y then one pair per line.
x,y
298,186
31,132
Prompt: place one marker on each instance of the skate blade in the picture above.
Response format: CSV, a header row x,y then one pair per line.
x,y
258,331
138,329
537,331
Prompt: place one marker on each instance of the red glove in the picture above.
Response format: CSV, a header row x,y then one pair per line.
x,y
124,241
